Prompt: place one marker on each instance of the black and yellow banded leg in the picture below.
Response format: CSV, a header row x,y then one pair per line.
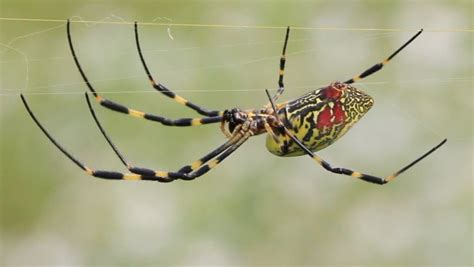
x,y
380,65
200,162
145,171
195,166
359,175
161,177
281,74
143,174
132,112
152,117
198,168
214,162
167,92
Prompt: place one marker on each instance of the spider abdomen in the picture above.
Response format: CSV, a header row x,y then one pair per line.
x,y
319,118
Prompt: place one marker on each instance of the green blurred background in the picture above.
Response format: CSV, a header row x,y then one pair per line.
x,y
254,208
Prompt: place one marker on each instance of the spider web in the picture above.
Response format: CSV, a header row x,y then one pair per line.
x,y
13,53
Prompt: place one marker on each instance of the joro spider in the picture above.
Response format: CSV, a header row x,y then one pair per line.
x,y
297,127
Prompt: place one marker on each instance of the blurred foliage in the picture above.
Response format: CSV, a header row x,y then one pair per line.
x,y
254,208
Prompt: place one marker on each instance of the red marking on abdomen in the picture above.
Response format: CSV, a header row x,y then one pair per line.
x,y
329,117
339,114
324,118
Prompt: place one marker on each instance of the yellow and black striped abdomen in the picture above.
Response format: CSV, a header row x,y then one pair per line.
x,y
319,118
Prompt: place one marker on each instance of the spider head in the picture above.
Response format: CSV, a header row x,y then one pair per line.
x,y
234,117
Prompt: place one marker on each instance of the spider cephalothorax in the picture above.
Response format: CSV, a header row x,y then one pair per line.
x,y
233,118
296,127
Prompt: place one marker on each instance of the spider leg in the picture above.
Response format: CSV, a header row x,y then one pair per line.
x,y
281,85
145,171
161,177
197,169
380,65
165,121
213,163
359,175
224,130
132,112
167,92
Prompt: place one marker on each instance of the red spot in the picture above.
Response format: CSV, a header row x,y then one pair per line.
x,y
339,114
324,118
329,117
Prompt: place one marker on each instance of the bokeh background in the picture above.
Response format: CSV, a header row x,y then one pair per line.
x,y
254,208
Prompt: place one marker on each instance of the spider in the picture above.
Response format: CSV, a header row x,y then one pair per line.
x,y
297,127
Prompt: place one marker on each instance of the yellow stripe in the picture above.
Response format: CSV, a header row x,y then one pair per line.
x,y
213,163
99,98
180,100
389,178
385,62
280,105
356,78
356,174
317,159
196,121
282,72
132,177
89,171
195,165
161,174
136,113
